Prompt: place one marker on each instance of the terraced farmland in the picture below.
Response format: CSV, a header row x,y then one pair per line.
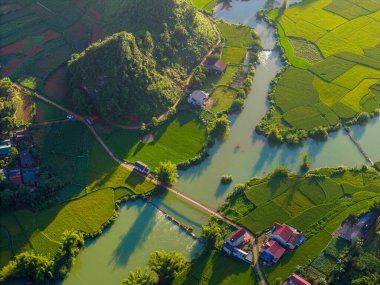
x,y
315,204
334,51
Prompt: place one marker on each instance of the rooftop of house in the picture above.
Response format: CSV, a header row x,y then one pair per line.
x,y
294,238
298,280
237,234
199,94
26,158
140,164
220,65
274,248
283,231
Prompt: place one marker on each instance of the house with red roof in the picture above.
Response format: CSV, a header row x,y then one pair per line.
x,y
298,280
237,237
272,251
286,235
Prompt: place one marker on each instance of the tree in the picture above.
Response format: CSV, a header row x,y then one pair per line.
x,y
28,265
140,277
220,126
167,265
147,43
280,172
198,79
237,105
306,163
214,233
167,173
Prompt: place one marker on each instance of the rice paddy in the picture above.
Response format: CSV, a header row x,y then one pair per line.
x,y
315,204
333,49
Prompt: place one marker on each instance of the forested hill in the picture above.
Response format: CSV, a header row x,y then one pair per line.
x,y
138,73
116,77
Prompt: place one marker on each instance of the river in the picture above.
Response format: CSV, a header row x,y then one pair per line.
x,y
141,229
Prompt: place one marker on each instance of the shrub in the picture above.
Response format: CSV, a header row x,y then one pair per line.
x,y
305,162
226,179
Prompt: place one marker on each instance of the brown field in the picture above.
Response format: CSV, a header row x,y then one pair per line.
x,y
13,48
8,69
56,86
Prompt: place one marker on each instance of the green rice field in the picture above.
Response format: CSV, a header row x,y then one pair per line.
x,y
333,49
315,204
178,140
93,183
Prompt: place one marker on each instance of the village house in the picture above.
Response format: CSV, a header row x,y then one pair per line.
x,y
218,66
232,244
30,176
271,252
298,280
198,98
350,232
286,236
23,137
14,175
26,159
141,167
4,149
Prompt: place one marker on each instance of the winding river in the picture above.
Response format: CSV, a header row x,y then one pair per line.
x,y
141,228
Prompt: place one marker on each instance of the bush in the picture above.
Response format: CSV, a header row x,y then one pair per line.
x,y
220,126
167,173
226,179
237,105
281,172
306,163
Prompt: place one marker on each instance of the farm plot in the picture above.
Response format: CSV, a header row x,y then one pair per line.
x,y
312,204
233,55
179,140
223,97
237,35
342,77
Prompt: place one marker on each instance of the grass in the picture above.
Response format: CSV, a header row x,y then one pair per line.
x,y
316,206
207,270
207,5
179,140
334,46
94,183
223,97
233,55
236,35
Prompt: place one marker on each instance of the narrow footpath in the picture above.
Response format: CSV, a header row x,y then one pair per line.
x,y
360,148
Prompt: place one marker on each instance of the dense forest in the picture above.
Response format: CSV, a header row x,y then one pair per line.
x,y
139,72
8,92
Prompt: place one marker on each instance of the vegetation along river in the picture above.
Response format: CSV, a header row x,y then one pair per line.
x,y
141,228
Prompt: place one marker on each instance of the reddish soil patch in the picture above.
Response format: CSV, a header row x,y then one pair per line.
x,y
34,50
209,103
50,35
78,30
8,8
27,106
56,86
98,32
7,70
12,48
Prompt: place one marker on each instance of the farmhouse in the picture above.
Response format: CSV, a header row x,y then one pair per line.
x,y
198,98
232,244
349,231
271,252
30,176
286,236
237,237
298,280
4,149
141,167
14,175
218,66
26,159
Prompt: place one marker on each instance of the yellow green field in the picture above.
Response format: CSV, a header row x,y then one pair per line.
x,y
333,47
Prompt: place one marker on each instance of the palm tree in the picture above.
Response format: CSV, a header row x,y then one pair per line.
x,y
140,277
166,265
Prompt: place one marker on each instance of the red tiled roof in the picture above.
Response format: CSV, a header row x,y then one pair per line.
x,y
274,248
237,234
16,179
283,231
299,280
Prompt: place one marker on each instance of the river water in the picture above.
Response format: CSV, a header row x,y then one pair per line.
x,y
141,229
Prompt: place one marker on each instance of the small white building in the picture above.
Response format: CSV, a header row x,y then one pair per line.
x,y
237,237
198,97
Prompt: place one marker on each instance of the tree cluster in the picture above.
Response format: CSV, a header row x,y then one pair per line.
x,y
163,267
